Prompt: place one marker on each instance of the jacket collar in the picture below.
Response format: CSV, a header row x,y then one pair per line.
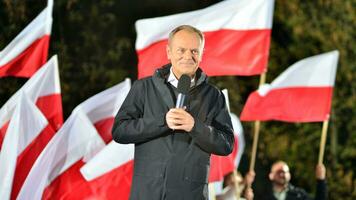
x,y
164,72
160,80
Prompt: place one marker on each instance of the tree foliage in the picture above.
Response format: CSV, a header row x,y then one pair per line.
x,y
95,43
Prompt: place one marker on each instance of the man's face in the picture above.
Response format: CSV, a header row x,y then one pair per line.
x,y
185,52
280,174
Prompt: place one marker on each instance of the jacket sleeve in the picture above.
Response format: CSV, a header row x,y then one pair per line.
x,y
218,137
130,125
321,190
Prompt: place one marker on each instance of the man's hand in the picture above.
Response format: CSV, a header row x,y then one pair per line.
x,y
248,193
249,178
179,119
320,172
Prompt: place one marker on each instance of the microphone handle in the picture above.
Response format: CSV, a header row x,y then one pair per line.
x,y
180,100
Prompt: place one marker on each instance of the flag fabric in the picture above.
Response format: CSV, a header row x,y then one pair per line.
x,y
43,89
302,93
238,130
72,142
24,55
237,34
28,133
55,174
109,173
223,165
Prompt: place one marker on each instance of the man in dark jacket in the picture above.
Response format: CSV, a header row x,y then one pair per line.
x,y
282,189
173,145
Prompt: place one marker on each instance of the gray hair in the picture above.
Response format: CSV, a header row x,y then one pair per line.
x,y
189,29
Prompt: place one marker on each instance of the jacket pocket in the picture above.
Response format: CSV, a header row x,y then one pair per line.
x,y
196,173
149,168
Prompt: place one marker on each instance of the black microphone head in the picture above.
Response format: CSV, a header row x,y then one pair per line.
x,y
184,84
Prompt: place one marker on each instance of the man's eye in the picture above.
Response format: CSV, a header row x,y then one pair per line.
x,y
195,52
180,51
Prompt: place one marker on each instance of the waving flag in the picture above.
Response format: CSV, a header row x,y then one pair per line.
x,y
56,174
27,135
28,51
237,34
109,173
302,93
43,89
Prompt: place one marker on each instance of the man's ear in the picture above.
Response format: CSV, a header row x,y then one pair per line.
x,y
270,176
168,51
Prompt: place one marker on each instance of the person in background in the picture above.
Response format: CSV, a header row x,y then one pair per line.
x,y
236,187
321,186
282,189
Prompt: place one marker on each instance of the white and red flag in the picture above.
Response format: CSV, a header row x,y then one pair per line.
x,y
109,173
223,165
43,89
27,135
55,174
237,34
28,51
302,93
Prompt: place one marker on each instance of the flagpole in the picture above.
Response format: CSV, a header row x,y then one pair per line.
x,y
323,141
256,131
236,186
254,146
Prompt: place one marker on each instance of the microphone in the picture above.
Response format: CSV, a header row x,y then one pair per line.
x,y
183,90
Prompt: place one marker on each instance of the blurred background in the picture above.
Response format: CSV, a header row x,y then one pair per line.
x,y
95,43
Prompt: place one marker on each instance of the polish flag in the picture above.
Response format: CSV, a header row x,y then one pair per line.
x,y
302,93
43,89
109,173
223,165
237,34
55,174
27,135
28,51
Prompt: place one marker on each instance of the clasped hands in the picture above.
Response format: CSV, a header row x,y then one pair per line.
x,y
179,119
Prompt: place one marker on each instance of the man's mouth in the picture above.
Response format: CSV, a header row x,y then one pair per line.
x,y
188,63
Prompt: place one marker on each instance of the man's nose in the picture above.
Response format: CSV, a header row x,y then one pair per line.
x,y
188,55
